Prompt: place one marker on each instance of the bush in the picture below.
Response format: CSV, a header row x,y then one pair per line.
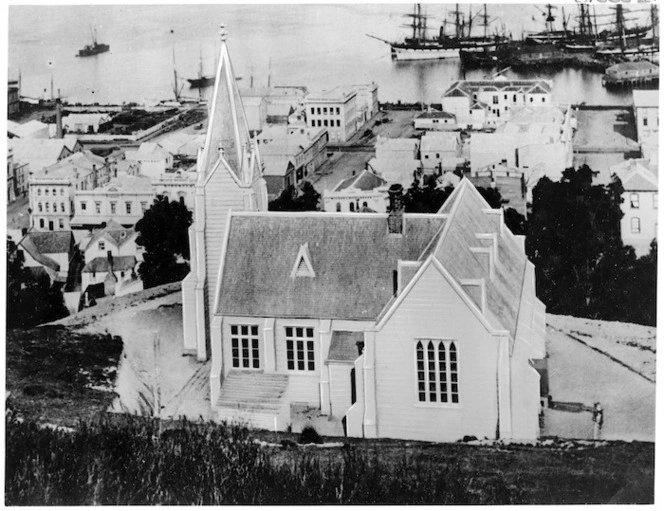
x,y
309,435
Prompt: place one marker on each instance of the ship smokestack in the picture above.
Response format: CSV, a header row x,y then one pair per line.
x,y
58,119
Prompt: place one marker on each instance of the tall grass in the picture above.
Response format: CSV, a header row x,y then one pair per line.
x,y
133,463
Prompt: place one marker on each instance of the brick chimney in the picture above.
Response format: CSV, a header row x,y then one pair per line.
x,y
396,207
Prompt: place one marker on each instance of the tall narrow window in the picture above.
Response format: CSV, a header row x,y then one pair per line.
x,y
634,200
300,348
437,371
244,346
636,225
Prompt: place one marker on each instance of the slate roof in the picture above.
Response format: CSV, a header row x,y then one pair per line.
x,y
52,242
467,218
28,245
364,181
101,264
435,115
352,256
343,346
637,175
113,232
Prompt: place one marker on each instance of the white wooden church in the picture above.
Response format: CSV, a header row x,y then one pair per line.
x,y
397,325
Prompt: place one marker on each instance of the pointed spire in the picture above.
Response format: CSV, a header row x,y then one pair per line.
x,y
228,133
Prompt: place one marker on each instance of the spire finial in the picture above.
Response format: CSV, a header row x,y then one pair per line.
x,y
222,32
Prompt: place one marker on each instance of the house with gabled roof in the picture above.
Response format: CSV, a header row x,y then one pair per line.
x,y
638,226
395,325
112,239
49,252
484,103
109,271
363,191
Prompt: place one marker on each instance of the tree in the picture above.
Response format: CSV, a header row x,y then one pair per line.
x,y
574,241
425,198
30,301
163,232
292,199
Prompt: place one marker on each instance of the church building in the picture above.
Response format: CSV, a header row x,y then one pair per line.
x,y
392,325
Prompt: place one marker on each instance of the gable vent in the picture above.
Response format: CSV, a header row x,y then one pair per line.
x,y
303,266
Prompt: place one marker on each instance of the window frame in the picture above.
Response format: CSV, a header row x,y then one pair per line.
x,y
450,393
634,203
635,227
308,350
250,332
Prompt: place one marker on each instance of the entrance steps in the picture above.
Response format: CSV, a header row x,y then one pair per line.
x,y
254,399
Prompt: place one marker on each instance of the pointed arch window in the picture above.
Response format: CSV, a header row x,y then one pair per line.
x,y
437,371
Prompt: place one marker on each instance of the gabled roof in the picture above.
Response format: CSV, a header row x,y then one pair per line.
x,y
352,255
113,233
29,246
67,167
435,115
52,242
276,164
39,153
102,264
25,130
365,180
464,247
637,175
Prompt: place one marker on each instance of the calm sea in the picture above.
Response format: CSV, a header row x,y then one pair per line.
x,y
319,46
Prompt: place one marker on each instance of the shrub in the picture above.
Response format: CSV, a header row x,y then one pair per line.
x,y
309,435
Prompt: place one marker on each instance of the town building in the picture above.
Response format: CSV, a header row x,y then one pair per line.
x,y
367,102
381,322
363,191
483,103
229,177
256,110
183,146
289,156
531,137
85,123
112,238
176,186
41,153
102,276
336,110
52,190
440,151
646,113
435,121
48,253
17,177
397,325
397,160
30,130
153,160
123,199
638,226
270,105
13,98
640,72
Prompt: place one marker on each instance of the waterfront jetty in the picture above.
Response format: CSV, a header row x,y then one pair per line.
x,y
629,74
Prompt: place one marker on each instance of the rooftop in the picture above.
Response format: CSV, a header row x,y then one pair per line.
x,y
102,264
365,181
646,98
468,87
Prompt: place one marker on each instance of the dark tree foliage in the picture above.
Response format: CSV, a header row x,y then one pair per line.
x,y
425,198
163,232
30,301
292,199
574,241
428,198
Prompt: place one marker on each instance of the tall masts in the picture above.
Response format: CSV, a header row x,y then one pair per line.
x,y
419,23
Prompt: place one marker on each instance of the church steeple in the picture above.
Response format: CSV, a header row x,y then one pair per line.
x,y
228,137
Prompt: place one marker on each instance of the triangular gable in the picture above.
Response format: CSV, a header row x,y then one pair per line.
x,y
303,266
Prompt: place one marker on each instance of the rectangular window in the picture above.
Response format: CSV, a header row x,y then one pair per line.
x,y
324,110
636,225
437,371
318,110
312,111
98,207
300,348
48,206
112,208
102,245
325,123
40,206
338,123
654,200
144,206
244,346
128,207
62,191
46,191
645,121
495,100
338,111
84,206
61,223
634,200
62,207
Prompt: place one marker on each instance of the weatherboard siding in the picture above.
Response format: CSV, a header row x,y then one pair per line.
x,y
434,310
222,193
340,388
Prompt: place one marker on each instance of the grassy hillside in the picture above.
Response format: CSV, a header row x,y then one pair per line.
x,y
134,462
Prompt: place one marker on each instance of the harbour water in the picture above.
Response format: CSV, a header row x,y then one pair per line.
x,y
319,46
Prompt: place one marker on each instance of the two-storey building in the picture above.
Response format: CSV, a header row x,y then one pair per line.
x,y
335,110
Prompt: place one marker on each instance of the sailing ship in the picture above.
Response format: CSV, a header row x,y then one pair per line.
x,y
421,47
95,48
202,80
